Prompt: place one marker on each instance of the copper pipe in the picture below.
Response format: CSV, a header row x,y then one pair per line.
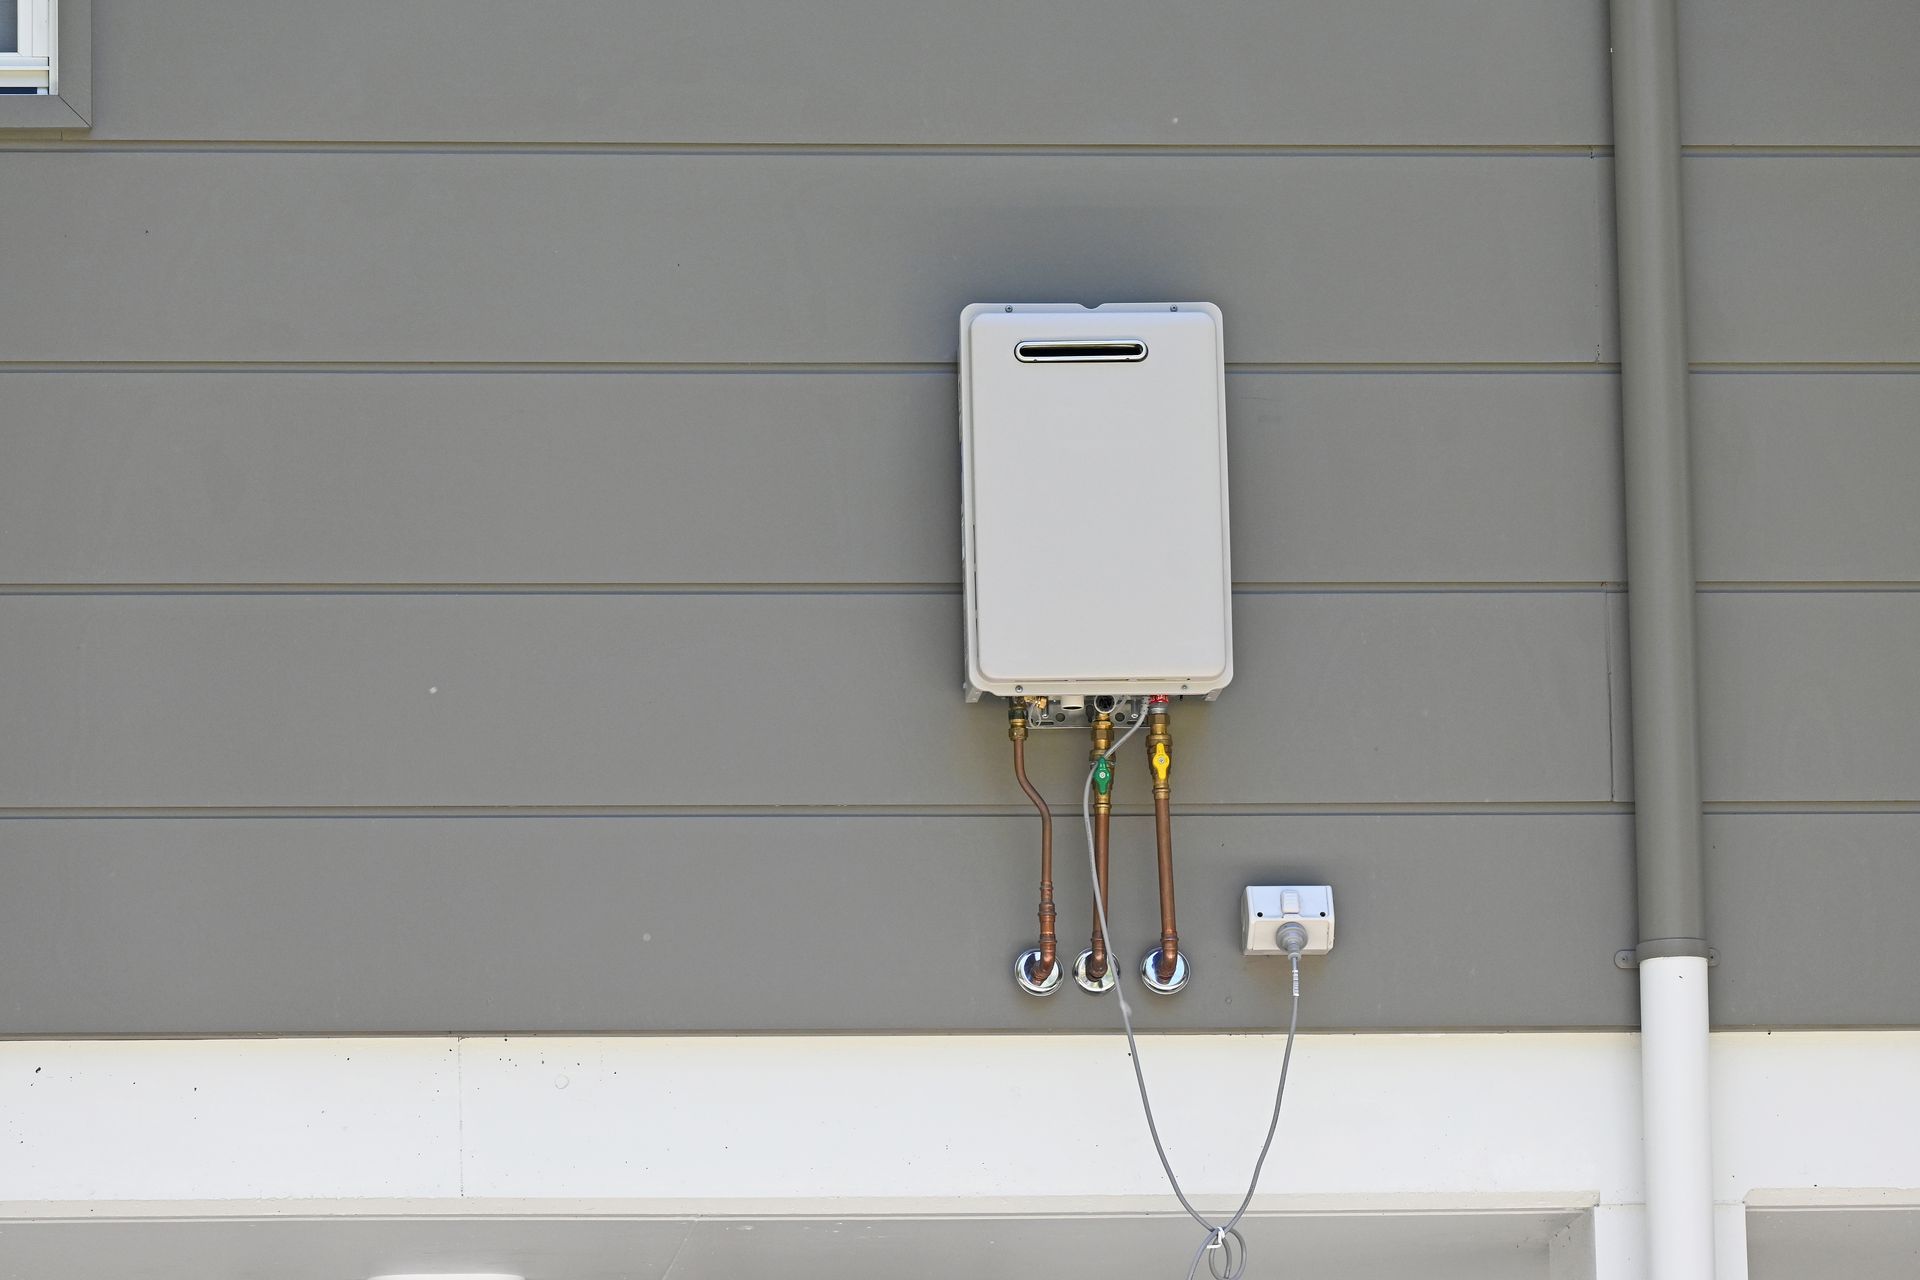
x,y
1102,820
1017,730
1159,752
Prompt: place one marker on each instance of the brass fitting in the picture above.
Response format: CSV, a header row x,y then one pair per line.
x,y
1102,743
1097,964
1159,744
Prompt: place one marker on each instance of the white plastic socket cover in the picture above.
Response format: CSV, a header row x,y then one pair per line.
x,y
1266,908
1094,499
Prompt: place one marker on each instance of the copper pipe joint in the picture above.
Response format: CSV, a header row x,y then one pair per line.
x,y
1159,754
1046,961
1102,825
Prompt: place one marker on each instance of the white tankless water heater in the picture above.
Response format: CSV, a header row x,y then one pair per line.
x,y
1094,501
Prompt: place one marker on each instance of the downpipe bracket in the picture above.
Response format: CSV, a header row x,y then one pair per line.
x,y
1629,958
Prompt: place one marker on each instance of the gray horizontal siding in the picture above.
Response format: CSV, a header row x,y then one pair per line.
x,y
823,460
858,71
220,926
1501,72
1803,258
565,257
1805,697
727,478
755,699
1807,477
1785,73
1810,696
1813,916
201,477
728,258
716,924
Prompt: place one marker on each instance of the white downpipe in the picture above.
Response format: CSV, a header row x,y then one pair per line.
x,y
1675,1122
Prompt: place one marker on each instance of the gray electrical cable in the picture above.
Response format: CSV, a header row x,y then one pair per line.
x,y
1218,1236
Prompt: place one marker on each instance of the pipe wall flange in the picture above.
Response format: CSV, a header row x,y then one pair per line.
x,y
1106,980
1023,965
1150,973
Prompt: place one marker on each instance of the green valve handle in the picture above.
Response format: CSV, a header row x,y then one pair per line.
x,y
1103,775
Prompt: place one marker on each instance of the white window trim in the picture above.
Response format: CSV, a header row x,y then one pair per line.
x,y
36,64
55,60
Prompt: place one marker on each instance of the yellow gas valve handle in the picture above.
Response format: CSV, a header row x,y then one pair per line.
x,y
1161,761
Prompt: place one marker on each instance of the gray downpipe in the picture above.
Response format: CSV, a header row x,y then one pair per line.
x,y
1675,1047
1653,404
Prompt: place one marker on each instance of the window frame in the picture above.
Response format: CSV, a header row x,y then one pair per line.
x,y
61,33
31,63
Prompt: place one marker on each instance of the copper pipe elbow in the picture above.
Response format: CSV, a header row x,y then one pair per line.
x,y
1038,969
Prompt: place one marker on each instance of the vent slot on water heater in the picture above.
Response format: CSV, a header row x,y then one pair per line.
x,y
1057,352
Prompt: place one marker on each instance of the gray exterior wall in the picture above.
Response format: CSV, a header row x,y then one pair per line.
x,y
478,502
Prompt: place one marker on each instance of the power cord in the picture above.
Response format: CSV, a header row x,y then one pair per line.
x,y
1224,1249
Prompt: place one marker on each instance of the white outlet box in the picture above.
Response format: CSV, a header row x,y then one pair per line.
x,y
1264,909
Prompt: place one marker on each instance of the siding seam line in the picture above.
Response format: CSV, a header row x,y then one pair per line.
x,y
79,143
427,590
1251,809
929,367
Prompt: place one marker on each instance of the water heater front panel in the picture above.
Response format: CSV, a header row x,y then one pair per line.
x,y
1095,499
